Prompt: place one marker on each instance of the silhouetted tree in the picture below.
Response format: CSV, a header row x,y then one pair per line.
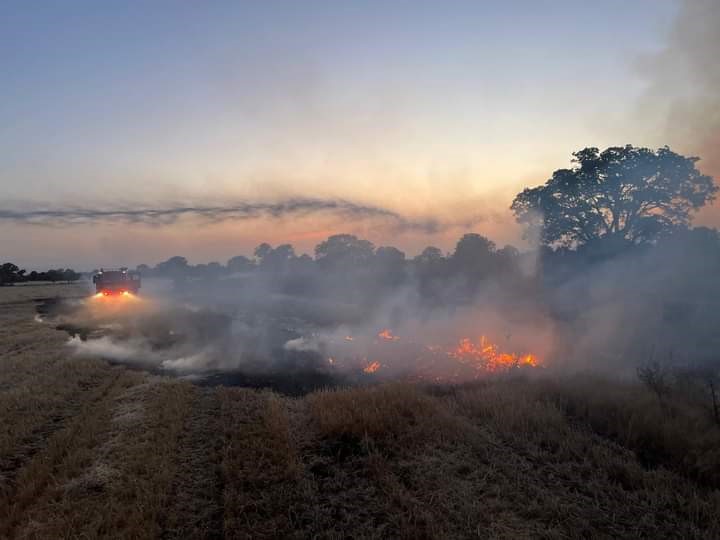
x,y
174,265
390,265
215,269
274,259
70,275
430,268
262,250
54,275
211,270
632,194
10,273
474,255
657,379
239,263
344,250
508,254
429,255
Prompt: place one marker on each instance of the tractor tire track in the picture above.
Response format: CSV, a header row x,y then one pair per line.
x,y
39,428
196,494
53,444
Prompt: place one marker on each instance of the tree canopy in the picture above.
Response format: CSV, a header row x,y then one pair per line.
x,y
344,250
629,193
11,273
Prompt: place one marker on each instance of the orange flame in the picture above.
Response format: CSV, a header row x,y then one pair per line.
x,y
387,335
486,356
372,367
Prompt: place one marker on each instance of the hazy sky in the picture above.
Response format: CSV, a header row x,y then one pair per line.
x,y
432,110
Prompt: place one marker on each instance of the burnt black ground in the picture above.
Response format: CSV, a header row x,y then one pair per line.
x,y
292,373
290,384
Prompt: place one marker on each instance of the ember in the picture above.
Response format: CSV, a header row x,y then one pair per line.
x,y
372,367
387,335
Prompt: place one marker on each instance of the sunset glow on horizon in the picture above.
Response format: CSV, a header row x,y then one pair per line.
x,y
429,111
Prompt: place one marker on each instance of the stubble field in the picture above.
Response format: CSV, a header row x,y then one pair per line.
x,y
92,450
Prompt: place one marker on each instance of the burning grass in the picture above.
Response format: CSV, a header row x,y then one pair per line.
x,y
486,357
173,338
91,450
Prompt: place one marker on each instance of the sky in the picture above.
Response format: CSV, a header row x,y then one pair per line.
x,y
417,112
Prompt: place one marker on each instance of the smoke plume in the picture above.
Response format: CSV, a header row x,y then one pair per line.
x,y
242,210
685,83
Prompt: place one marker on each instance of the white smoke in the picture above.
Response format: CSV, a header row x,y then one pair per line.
x,y
130,351
302,344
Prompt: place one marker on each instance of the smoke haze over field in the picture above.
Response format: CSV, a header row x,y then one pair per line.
x,y
357,313
246,136
252,328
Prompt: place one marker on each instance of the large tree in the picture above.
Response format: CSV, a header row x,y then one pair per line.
x,y
629,193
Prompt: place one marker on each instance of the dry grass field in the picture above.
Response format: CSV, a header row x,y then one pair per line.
x,y
90,450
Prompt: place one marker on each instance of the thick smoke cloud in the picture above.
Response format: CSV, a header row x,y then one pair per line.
x,y
243,210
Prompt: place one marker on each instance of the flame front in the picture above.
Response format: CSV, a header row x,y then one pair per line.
x,y
486,356
448,361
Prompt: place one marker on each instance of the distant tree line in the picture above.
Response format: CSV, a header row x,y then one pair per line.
x,y
353,269
11,274
617,266
619,201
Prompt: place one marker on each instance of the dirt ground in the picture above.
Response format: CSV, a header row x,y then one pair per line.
x,y
91,450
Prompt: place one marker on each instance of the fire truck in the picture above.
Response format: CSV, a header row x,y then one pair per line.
x,y
116,282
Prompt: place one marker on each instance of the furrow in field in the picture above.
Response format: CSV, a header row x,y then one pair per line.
x,y
195,503
116,482
64,450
